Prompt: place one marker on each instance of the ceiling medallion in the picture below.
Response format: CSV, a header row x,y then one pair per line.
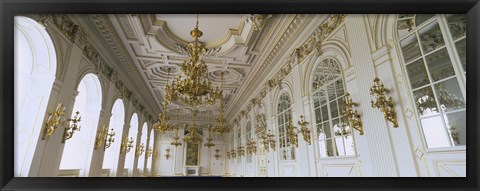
x,y
193,88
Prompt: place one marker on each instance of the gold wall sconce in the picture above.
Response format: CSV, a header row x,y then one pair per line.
x,y
101,136
139,150
167,153
351,114
209,143
126,145
149,152
228,154
55,118
378,90
304,129
240,151
269,141
233,153
251,147
70,129
291,134
110,139
216,154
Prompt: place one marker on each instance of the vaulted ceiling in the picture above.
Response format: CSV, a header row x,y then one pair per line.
x,y
245,47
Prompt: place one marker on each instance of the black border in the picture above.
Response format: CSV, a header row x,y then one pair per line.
x,y
8,8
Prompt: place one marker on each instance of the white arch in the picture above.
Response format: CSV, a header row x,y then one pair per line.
x,y
34,70
112,154
77,153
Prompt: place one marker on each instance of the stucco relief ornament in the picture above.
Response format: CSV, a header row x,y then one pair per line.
x,y
43,20
256,20
261,122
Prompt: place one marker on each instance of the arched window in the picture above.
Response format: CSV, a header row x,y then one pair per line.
x,y
34,71
284,115
77,153
141,158
112,153
433,52
334,138
248,136
130,156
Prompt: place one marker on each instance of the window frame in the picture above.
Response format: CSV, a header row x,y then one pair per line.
x,y
329,119
455,62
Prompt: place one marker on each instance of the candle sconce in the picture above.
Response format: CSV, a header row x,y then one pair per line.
x,y
271,140
126,145
101,136
216,154
304,129
292,135
149,152
228,154
70,129
167,153
378,90
209,143
251,147
233,153
139,150
351,114
55,118
110,139
240,151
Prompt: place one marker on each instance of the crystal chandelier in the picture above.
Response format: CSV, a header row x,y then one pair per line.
x,y
193,87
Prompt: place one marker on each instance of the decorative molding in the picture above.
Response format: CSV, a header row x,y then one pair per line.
x,y
312,44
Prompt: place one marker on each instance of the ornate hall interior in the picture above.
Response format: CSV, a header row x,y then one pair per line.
x,y
240,95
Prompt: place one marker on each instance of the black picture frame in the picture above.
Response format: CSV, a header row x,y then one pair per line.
x,y
9,8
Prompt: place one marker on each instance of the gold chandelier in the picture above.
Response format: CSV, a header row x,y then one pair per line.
x,y
162,124
193,135
193,87
221,126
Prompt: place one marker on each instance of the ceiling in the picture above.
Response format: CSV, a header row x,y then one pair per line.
x,y
243,46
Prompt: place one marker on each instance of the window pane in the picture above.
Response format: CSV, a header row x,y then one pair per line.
x,y
316,100
340,146
318,116
457,25
462,53
292,153
431,37
420,18
456,124
417,74
425,101
334,109
329,147
326,128
435,133
331,92
449,95
339,88
439,65
324,113
410,48
320,132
